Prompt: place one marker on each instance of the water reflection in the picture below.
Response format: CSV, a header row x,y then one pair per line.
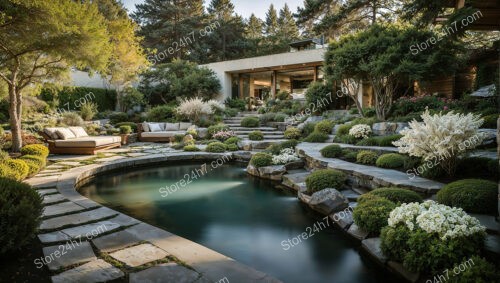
x,y
240,216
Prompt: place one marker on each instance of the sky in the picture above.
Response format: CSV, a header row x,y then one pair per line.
x,y
242,7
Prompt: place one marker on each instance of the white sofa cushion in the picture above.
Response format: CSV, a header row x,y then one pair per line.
x,y
155,127
88,141
79,132
51,132
184,126
171,127
65,134
168,134
145,127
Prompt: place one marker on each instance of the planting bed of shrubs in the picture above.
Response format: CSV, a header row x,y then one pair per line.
x,y
325,178
292,133
261,159
372,212
472,195
216,147
396,195
390,160
316,137
256,136
331,151
366,157
250,122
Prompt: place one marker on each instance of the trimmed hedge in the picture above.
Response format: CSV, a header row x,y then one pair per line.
x,y
261,159
232,140
324,126
71,98
256,136
324,178
232,147
216,147
372,213
480,271
20,211
490,121
331,151
41,161
367,157
308,128
35,149
477,167
250,122
349,155
343,130
292,133
191,148
316,137
472,195
396,195
19,168
6,171
125,129
390,160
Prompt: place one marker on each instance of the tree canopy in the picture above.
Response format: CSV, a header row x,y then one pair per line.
x,y
385,56
179,79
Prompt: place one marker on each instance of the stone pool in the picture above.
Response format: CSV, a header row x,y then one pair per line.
x,y
239,216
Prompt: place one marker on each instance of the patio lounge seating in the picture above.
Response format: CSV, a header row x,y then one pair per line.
x,y
74,140
164,132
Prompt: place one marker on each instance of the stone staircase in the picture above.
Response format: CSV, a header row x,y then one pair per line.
x,y
234,123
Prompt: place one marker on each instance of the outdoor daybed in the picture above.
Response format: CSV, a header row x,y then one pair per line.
x,y
74,140
165,132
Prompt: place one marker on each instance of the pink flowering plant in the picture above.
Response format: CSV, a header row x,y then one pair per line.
x,y
223,135
410,104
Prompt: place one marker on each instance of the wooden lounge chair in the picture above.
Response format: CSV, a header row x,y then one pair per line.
x,y
80,144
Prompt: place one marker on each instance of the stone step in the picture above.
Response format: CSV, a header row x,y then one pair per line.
x,y
94,271
246,132
76,219
296,181
266,137
262,129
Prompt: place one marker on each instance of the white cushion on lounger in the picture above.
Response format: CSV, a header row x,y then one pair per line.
x,y
145,127
79,132
65,134
51,132
88,141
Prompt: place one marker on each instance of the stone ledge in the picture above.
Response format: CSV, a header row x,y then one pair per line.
x,y
370,177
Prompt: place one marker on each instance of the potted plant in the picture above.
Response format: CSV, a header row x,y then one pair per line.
x,y
125,132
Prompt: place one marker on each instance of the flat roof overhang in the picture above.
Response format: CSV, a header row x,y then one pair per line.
x,y
276,62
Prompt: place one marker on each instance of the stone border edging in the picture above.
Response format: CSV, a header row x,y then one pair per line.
x,y
366,176
207,262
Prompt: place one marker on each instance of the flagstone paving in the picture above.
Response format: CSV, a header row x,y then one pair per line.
x,y
68,254
77,218
168,272
139,255
94,271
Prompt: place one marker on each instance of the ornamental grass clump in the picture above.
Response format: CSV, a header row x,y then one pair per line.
x,y
292,133
428,237
194,109
361,131
286,156
441,138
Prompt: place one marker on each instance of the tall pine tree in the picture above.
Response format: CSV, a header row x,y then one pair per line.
x,y
165,24
227,41
253,33
288,29
271,27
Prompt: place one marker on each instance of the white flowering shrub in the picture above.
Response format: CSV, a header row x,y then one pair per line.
x,y
194,108
428,237
441,137
286,155
360,131
447,222
216,105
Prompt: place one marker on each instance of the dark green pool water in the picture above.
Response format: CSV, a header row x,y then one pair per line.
x,y
240,216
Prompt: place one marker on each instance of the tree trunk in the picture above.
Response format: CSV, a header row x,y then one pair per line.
x,y
15,118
